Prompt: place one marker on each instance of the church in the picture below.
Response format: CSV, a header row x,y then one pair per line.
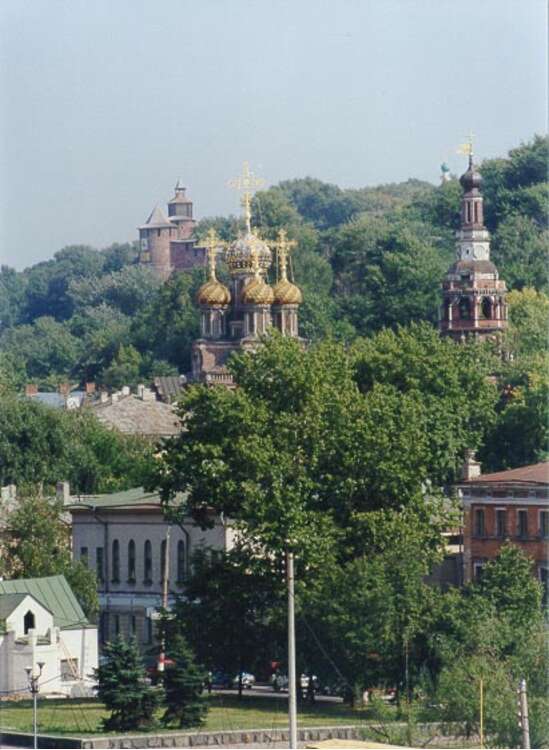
x,y
234,317
473,294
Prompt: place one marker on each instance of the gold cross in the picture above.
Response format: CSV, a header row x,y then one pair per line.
x,y
212,243
467,147
247,183
284,246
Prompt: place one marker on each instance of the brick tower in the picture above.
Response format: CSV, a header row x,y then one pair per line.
x,y
167,242
473,294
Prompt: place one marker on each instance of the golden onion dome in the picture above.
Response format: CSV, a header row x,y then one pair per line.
x,y
239,256
257,292
213,292
286,293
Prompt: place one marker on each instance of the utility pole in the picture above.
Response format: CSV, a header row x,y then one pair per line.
x,y
481,690
34,688
524,723
292,686
166,568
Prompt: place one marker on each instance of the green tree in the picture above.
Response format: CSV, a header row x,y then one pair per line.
x,y
36,543
528,332
183,685
519,249
123,689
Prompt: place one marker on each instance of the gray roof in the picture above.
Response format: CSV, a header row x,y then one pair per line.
x,y
8,602
157,218
57,400
53,593
131,415
169,387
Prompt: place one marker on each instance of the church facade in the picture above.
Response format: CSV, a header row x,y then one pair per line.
x,y
167,242
234,317
473,294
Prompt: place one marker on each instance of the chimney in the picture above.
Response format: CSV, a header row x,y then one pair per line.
x,y
114,398
89,388
140,389
471,468
126,390
31,389
63,492
103,397
64,389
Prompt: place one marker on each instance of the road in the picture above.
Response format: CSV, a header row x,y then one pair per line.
x,y
266,691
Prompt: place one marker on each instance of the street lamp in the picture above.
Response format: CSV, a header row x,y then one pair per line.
x,y
33,685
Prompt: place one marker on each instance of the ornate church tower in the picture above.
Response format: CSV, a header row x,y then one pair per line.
x,y
473,295
236,319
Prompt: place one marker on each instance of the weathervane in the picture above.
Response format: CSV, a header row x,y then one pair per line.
x,y
247,183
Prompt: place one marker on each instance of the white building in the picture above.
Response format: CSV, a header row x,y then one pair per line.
x,y
123,538
42,622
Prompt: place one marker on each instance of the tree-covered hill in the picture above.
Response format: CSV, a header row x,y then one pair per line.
x,y
366,259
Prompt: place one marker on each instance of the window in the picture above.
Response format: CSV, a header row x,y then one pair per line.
x,y
464,309
116,561
501,523
544,523
84,556
149,630
181,561
544,580
133,625
486,308
479,522
28,622
163,560
103,627
148,562
522,523
117,624
69,670
131,561
99,564
477,569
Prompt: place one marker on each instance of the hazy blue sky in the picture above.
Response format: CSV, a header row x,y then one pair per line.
x,y
105,103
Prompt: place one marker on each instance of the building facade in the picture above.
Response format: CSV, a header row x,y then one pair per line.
x,y
235,318
138,557
505,506
167,242
473,294
41,622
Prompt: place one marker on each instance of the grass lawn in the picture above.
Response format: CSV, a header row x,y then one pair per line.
x,y
78,717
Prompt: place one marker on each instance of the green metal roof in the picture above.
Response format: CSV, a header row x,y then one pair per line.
x,y
127,499
52,592
8,602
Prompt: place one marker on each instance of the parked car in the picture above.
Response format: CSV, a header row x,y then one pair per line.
x,y
248,680
279,682
221,679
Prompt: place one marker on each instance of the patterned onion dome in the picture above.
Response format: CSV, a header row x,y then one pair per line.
x,y
213,292
257,292
239,254
286,293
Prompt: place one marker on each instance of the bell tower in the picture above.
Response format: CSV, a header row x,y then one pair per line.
x,y
473,294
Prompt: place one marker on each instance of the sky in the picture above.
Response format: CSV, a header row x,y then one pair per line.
x,y
105,104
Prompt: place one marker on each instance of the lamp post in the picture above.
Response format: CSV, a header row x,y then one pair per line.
x,y
34,688
292,685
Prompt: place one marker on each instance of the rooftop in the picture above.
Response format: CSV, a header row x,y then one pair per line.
x,y
133,415
53,593
533,474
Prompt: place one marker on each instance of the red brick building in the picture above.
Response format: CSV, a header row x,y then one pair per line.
x,y
505,506
167,242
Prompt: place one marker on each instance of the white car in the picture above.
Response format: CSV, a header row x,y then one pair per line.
x,y
248,680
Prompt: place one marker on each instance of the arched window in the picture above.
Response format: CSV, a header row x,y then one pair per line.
x,y
486,308
115,561
181,561
465,308
148,562
447,305
163,560
131,561
28,622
